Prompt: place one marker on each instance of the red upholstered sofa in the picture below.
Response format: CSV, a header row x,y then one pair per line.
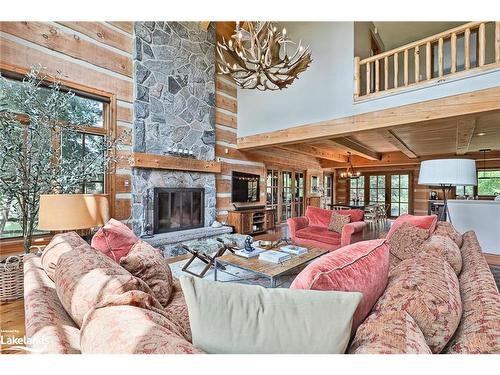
x,y
312,229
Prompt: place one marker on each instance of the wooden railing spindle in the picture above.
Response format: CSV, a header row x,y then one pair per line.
x,y
386,73
405,67
428,61
497,41
417,64
368,78
396,67
467,49
453,47
435,56
482,44
357,80
440,57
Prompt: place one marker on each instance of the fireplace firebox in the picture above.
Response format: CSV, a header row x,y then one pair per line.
x,y
178,209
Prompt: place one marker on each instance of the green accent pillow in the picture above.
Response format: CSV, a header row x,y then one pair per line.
x,y
248,319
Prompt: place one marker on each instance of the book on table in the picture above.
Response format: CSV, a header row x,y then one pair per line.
x,y
274,256
294,249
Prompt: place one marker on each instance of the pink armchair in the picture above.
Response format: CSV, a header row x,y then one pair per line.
x,y
312,229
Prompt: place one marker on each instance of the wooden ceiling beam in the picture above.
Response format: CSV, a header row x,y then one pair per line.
x,y
417,113
398,158
392,138
314,151
284,157
465,131
355,148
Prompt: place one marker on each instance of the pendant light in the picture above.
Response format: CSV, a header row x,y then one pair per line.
x,y
483,176
350,173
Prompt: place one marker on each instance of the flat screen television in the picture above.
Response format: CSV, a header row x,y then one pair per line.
x,y
245,187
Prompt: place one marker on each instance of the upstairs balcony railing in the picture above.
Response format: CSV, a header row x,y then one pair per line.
x,y
462,50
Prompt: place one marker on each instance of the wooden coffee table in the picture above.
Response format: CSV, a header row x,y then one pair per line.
x,y
267,269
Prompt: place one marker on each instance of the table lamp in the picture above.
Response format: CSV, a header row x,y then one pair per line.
x,y
447,173
64,212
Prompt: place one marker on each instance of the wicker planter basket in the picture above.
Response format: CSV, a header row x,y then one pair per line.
x,y
11,278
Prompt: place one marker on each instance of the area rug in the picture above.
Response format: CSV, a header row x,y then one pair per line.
x,y
230,274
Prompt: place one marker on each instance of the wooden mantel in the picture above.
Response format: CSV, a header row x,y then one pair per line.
x,y
142,160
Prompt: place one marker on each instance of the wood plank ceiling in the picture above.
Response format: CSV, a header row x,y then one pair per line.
x,y
456,136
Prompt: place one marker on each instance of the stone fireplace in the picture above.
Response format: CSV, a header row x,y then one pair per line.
x,y
174,108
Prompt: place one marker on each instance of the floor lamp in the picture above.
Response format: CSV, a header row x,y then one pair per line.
x,y
447,173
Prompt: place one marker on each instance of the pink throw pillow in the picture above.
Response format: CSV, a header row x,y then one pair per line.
x,y
114,239
359,267
355,214
425,222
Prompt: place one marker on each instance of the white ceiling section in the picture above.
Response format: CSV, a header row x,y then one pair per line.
x,y
397,34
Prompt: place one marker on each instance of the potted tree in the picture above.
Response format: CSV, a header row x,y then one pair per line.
x,y
34,114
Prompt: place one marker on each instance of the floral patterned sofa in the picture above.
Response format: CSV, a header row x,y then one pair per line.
x,y
133,323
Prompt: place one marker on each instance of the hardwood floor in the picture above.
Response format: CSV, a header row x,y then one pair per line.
x,y
12,313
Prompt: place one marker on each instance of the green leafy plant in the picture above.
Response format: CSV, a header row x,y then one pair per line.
x,y
35,114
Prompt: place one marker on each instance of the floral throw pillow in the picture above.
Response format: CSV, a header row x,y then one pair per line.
x,y
444,228
149,265
406,241
337,222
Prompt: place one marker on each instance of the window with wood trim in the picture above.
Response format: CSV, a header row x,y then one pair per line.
x,y
357,190
272,192
91,113
488,183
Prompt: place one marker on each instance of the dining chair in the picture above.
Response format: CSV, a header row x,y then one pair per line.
x,y
371,215
337,208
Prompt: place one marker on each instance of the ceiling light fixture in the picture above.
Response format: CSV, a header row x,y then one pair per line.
x,y
481,134
256,57
350,173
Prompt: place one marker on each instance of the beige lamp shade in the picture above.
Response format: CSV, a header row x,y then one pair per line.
x,y
72,211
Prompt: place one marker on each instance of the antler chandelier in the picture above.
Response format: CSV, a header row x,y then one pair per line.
x,y
257,57
350,173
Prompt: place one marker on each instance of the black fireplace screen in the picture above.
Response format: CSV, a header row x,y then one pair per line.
x,y
178,209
